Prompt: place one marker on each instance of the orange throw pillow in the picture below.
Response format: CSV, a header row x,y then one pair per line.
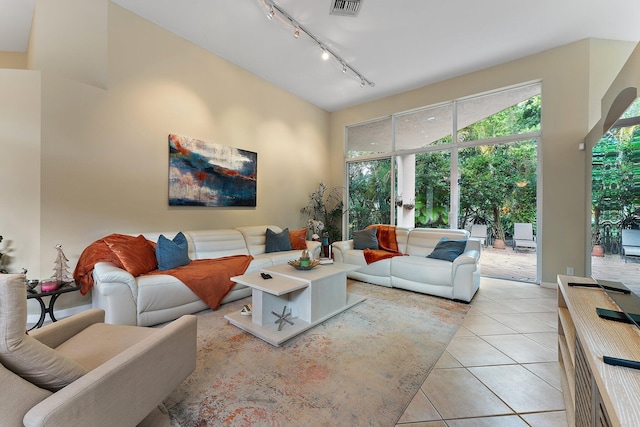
x,y
136,254
298,239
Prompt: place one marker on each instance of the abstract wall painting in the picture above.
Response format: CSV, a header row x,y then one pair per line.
x,y
208,174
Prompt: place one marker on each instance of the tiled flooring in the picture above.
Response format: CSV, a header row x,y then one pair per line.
x,y
501,368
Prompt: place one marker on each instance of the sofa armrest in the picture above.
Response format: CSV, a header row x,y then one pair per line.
x,y
339,248
54,334
105,275
467,257
148,371
116,292
473,245
465,275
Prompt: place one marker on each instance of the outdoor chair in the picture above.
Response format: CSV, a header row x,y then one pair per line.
x,y
479,231
523,236
630,244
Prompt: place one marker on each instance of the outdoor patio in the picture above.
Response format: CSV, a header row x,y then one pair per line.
x,y
521,265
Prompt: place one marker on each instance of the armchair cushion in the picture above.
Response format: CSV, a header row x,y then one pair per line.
x,y
100,342
21,395
172,253
135,253
24,355
277,242
448,250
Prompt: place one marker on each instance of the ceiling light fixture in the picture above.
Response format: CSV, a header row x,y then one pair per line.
x,y
327,53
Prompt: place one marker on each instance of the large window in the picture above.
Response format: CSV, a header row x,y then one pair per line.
x,y
471,160
615,182
369,193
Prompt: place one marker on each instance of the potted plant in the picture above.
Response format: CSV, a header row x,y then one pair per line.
x,y
498,230
597,249
326,205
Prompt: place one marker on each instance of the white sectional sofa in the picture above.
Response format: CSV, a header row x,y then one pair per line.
x,y
457,280
153,299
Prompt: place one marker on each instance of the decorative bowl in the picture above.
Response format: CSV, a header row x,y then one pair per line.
x,y
295,263
31,284
49,285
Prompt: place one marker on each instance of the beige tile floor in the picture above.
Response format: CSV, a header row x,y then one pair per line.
x,y
501,368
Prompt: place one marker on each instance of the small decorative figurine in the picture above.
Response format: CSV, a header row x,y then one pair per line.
x,y
316,228
305,259
61,268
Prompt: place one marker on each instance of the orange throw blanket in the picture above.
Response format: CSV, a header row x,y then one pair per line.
x,y
210,279
387,244
96,252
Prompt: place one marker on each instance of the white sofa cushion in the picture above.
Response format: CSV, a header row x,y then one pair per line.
x,y
422,242
218,243
255,237
417,269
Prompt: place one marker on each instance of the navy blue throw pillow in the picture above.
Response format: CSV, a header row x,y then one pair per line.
x,y
172,253
277,242
365,239
448,250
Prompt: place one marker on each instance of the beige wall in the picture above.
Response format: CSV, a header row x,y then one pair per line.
x,y
569,90
104,150
20,169
69,37
606,61
16,60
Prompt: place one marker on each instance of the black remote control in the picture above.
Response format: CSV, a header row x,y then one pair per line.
x,y
265,276
621,362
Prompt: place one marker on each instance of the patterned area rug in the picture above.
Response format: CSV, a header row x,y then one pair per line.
x,y
361,367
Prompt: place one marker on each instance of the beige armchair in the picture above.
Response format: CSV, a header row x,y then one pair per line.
x,y
80,371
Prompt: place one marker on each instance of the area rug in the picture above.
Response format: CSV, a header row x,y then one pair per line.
x,y
359,368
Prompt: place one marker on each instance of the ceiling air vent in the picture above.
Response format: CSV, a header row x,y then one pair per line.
x,y
345,7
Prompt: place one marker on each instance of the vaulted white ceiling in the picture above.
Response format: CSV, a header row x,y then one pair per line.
x,y
398,44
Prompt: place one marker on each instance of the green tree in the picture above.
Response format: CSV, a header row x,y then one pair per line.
x,y
369,193
498,185
432,189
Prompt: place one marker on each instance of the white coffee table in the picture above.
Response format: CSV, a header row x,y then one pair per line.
x,y
312,296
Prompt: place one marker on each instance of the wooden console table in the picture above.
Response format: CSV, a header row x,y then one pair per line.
x,y
596,394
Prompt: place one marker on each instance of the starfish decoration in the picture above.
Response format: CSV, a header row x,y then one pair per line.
x,y
282,318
